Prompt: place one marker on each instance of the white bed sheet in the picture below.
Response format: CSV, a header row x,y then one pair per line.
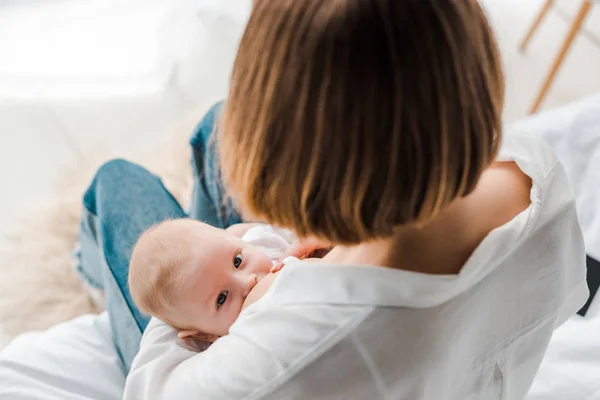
x,y
571,367
75,360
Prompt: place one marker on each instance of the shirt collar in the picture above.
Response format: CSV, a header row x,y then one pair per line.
x,y
304,283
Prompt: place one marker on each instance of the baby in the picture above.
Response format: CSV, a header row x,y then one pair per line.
x,y
196,277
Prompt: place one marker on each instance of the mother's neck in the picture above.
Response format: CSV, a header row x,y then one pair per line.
x,y
441,246
444,244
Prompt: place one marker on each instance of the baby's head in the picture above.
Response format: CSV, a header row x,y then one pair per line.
x,y
194,276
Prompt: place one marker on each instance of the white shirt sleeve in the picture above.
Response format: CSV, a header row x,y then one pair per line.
x,y
231,368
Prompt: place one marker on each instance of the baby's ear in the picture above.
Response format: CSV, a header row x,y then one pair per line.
x,y
187,333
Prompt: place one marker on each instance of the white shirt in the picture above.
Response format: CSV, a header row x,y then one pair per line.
x,y
270,240
364,332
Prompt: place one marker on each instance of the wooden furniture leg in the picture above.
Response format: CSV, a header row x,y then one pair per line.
x,y
536,24
575,27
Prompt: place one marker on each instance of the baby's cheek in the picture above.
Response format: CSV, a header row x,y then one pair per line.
x,y
227,321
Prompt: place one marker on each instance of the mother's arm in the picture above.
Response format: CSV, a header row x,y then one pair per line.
x,y
232,368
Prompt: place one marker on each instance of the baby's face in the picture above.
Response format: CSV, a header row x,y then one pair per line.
x,y
218,274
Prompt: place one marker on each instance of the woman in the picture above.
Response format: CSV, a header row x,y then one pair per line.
x,y
372,126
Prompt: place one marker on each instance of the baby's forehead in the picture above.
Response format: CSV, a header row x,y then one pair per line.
x,y
180,226
192,228
192,243
181,230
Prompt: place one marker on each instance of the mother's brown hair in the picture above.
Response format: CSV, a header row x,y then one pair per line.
x,y
347,118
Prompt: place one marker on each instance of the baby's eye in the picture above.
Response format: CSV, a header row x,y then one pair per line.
x,y
222,298
237,260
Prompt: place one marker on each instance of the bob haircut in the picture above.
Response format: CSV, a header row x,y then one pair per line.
x,y
348,118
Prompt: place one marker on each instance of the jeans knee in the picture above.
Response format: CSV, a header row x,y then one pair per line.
x,y
205,128
113,169
110,177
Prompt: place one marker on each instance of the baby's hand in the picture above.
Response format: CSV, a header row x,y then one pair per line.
x,y
196,335
303,248
196,341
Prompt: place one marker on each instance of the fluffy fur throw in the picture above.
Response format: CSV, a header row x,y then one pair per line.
x,y
39,286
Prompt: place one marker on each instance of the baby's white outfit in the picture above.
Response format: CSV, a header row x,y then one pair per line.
x,y
270,240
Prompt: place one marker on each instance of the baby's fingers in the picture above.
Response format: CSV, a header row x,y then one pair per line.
x,y
276,267
194,334
186,333
205,337
300,248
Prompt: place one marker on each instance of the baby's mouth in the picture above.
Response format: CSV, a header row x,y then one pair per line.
x,y
259,276
259,289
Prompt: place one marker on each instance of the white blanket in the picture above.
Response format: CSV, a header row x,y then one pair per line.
x,y
75,360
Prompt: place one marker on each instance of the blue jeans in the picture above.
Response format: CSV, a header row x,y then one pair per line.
x,y
123,201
